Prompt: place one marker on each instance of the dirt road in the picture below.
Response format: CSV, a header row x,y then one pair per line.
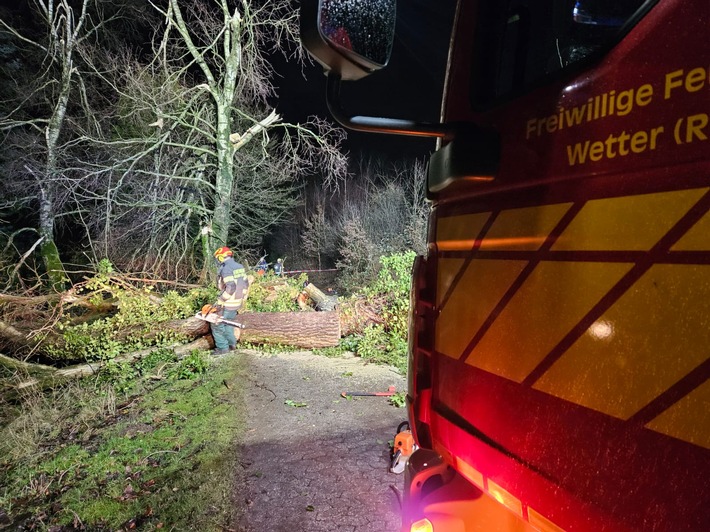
x,y
313,461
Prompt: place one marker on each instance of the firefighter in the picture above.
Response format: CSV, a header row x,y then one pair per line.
x,y
278,267
232,284
262,266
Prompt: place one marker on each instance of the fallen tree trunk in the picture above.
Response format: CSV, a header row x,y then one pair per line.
x,y
42,377
323,302
309,330
18,341
191,327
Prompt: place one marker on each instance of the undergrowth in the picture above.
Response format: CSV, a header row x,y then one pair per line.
x,y
281,299
133,326
384,343
90,456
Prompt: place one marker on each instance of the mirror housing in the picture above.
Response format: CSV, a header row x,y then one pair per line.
x,y
350,38
353,38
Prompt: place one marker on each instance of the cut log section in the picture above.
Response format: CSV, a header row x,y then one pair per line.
x,y
309,330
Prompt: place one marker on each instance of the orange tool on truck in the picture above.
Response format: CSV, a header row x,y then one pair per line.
x,y
559,362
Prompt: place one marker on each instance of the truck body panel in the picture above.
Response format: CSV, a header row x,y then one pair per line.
x,y
562,315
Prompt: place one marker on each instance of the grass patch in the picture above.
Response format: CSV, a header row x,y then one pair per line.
x,y
376,344
161,455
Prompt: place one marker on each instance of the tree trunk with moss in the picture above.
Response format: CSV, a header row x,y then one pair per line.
x,y
237,79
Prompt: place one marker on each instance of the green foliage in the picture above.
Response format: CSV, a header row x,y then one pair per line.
x,y
191,367
387,343
330,352
399,400
350,343
134,326
347,344
270,348
122,375
261,299
383,346
393,285
157,358
104,267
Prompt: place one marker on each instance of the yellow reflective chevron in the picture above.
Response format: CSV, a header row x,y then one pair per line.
x,y
589,317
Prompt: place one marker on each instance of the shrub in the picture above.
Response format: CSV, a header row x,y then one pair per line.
x,y
385,343
275,294
190,367
392,287
383,346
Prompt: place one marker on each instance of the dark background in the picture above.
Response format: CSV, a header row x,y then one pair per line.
x,y
410,87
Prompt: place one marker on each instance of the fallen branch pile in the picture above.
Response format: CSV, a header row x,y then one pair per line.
x,y
29,328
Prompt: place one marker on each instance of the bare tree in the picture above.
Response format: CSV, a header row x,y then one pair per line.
x,y
38,120
199,158
190,157
319,238
228,45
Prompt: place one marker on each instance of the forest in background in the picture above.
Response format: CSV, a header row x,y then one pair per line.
x,y
147,134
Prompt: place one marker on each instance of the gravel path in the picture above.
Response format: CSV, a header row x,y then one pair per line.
x,y
322,466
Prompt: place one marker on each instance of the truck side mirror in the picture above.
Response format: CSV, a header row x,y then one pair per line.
x,y
350,38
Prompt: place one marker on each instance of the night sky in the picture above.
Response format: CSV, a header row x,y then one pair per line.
x,y
409,87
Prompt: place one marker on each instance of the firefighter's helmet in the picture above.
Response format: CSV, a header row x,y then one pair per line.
x,y
222,253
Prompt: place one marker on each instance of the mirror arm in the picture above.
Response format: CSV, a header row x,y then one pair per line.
x,y
373,124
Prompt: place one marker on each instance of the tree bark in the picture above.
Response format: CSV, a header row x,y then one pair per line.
x,y
323,301
309,330
42,377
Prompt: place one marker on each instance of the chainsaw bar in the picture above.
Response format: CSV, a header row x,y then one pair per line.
x,y
214,318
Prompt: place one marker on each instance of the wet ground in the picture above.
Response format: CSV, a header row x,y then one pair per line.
x,y
312,460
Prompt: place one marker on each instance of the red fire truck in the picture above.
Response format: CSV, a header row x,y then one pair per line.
x,y
560,331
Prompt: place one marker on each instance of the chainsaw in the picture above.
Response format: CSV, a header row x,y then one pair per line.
x,y
402,448
209,314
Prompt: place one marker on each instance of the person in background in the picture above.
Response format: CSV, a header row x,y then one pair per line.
x,y
262,267
232,284
279,267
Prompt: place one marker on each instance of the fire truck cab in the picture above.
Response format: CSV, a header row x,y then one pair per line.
x,y
560,327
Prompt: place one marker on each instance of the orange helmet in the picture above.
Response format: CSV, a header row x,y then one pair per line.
x,y
222,253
